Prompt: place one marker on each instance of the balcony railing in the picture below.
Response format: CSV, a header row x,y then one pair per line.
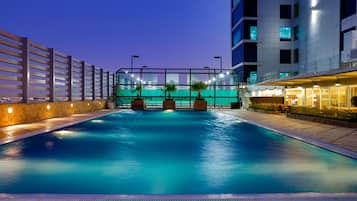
x,y
31,72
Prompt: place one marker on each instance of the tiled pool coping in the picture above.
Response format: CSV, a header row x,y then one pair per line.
x,y
48,128
242,197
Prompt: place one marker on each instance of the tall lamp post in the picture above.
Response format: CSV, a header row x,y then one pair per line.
x,y
141,78
132,67
221,74
132,62
221,62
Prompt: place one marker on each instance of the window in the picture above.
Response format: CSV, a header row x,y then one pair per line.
x,y
285,56
285,33
296,55
234,3
237,36
245,30
296,33
296,10
285,11
244,9
253,33
246,52
283,75
253,77
348,8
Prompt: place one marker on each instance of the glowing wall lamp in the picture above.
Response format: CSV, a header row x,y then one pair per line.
x,y
314,11
9,110
48,107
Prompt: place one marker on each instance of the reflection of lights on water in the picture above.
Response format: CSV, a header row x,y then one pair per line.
x,y
63,133
169,111
97,121
13,152
49,144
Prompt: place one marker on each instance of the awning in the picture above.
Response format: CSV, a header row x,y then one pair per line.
x,y
342,76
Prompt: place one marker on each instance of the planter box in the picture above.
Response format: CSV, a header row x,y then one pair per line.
x,y
200,105
235,105
169,104
110,105
138,104
323,120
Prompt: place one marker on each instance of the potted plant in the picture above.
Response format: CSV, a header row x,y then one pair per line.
x,y
169,103
200,103
138,102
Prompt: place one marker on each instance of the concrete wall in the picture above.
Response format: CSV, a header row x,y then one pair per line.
x,y
12,114
319,42
269,44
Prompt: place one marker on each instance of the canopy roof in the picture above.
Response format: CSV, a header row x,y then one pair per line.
x,y
342,76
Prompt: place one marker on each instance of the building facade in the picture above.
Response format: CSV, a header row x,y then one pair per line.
x,y
275,39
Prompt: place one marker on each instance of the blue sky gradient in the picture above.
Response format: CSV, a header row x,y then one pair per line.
x,y
165,33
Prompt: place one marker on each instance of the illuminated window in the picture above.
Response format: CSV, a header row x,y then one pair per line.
x,y
253,33
285,33
253,77
283,75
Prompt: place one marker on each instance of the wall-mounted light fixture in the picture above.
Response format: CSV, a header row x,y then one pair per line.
x,y
48,107
9,110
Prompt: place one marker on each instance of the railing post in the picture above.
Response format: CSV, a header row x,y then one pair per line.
x,y
108,83
189,85
113,80
83,80
25,70
52,87
70,77
93,82
214,90
101,84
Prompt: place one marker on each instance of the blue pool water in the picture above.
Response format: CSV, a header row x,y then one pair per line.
x,y
170,153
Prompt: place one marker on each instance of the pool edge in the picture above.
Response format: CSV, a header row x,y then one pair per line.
x,y
304,196
40,132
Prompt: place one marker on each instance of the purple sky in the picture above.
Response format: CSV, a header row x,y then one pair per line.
x,y
165,33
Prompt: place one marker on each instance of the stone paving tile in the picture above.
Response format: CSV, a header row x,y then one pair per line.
x,y
339,136
11,133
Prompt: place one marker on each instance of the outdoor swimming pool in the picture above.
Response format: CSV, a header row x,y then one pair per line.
x,y
183,152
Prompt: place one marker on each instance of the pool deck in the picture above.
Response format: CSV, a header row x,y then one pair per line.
x,y
335,138
17,132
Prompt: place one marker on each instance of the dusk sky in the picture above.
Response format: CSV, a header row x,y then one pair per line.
x,y
165,33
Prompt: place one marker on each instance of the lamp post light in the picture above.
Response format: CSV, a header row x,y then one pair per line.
x,y
132,61
141,71
221,62
209,75
221,74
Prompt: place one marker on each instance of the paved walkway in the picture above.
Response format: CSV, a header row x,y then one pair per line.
x,y
324,135
16,132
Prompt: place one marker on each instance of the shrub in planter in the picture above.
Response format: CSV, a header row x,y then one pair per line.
x,y
200,103
169,103
138,103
